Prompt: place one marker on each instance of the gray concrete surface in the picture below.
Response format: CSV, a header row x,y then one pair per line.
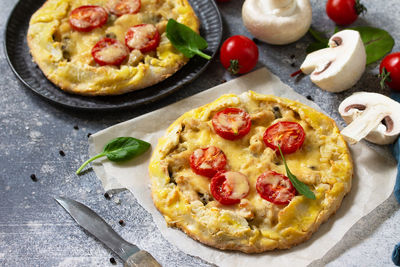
x,y
35,231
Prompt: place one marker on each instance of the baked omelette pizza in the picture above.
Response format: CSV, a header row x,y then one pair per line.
x,y
217,173
107,47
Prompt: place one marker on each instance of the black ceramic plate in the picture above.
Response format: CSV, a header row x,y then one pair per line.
x,y
20,60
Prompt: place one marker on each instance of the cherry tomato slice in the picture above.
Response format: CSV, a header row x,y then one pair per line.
x,y
391,64
144,37
207,161
122,7
275,188
288,135
109,52
231,123
229,187
87,18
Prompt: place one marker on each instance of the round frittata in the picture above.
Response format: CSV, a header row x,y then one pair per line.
x,y
62,35
253,219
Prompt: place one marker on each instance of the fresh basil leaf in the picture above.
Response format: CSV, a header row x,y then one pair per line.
x,y
125,148
320,43
187,41
316,46
319,36
120,149
300,186
377,42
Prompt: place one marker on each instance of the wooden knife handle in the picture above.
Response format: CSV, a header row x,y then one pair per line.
x,y
141,259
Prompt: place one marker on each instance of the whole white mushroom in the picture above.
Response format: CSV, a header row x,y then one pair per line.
x,y
277,21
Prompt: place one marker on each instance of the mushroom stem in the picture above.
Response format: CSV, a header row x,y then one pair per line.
x,y
276,4
365,123
278,7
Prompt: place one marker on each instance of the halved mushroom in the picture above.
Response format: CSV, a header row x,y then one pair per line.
x,y
277,21
340,66
372,116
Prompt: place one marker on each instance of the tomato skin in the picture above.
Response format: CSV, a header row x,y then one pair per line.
x,y
228,132
342,12
242,49
391,63
103,44
212,157
151,45
122,7
280,193
87,18
289,135
222,191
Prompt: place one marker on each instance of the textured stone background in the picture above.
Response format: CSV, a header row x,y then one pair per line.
x,y
35,231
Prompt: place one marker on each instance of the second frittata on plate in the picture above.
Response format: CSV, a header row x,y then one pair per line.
x,y
107,47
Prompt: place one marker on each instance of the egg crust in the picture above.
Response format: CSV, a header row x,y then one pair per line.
x,y
64,55
254,225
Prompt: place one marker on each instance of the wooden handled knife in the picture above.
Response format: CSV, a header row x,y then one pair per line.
x,y
94,224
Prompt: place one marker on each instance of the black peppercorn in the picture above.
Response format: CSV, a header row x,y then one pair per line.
x,y
76,127
121,222
107,196
62,154
34,178
89,134
113,261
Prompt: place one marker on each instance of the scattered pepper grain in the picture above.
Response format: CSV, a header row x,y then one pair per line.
x,y
34,178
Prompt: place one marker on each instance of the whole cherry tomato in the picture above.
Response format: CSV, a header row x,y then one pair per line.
x,y
229,187
344,12
288,135
390,71
122,7
87,18
207,161
231,123
239,54
275,188
144,37
109,51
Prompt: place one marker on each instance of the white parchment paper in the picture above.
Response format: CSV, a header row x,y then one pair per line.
x,y
373,181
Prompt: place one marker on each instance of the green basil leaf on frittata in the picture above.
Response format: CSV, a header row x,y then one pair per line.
x,y
187,41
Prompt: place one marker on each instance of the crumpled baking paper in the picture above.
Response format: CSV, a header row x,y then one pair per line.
x,y
373,182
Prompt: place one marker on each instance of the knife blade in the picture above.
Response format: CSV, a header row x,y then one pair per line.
x,y
95,225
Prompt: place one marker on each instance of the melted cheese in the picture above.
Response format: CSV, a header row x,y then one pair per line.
x,y
238,183
231,121
142,35
112,52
